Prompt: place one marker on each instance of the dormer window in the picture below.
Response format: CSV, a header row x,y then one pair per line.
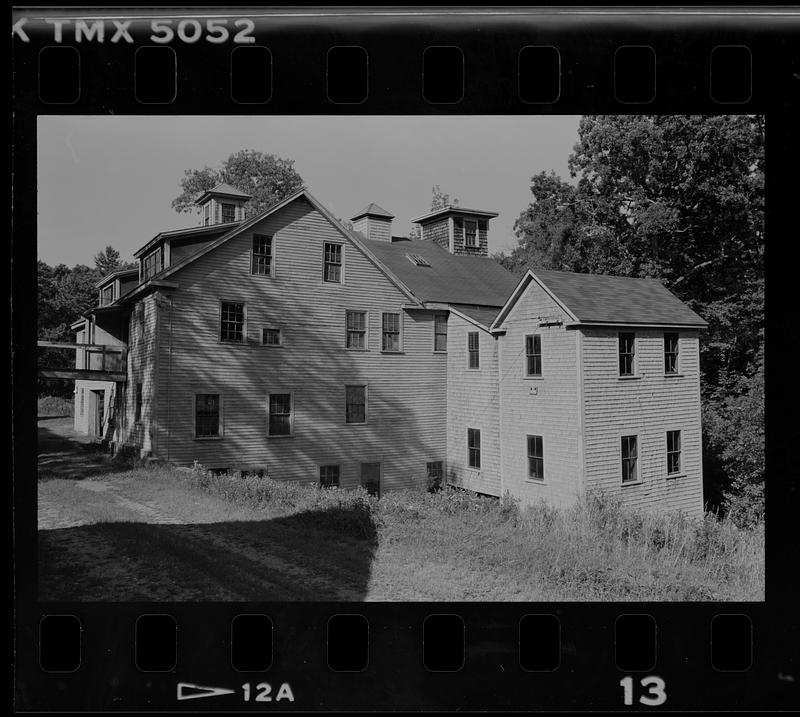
x,y
228,213
152,263
222,204
207,214
107,295
470,233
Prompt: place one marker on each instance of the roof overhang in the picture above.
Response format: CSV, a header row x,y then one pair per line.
x,y
114,275
518,292
630,325
181,233
446,211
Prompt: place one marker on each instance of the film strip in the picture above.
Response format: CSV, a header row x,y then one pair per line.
x,y
336,656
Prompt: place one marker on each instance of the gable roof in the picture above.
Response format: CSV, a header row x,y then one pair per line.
x,y
223,188
372,210
482,316
472,280
608,300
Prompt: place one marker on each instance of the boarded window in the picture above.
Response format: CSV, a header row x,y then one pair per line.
x,y
670,353
627,352
138,403
262,255
271,337
356,322
228,212
329,476
673,452
470,233
356,404
473,350
533,355
390,336
333,263
280,414
206,415
629,456
535,458
474,447
231,322
440,332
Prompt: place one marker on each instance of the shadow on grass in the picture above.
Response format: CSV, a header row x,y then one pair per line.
x,y
316,555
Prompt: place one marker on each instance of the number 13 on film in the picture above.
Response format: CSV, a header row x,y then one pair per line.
x,y
654,691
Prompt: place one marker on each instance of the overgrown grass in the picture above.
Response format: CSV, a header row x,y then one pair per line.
x,y
54,406
456,545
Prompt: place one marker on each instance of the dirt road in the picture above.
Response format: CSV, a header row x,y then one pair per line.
x,y
112,533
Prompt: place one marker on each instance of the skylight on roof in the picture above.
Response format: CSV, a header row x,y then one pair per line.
x,y
417,260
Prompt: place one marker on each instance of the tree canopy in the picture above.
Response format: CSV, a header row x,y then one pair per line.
x,y
266,177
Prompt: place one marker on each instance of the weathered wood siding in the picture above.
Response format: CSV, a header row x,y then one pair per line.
x,y
406,402
472,402
83,408
647,406
547,406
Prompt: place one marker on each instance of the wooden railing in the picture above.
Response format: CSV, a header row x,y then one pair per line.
x,y
92,361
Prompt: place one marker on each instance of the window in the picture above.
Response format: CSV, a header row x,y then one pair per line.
x,y
107,295
138,404
271,337
440,332
535,458
152,264
356,330
206,415
533,355
262,255
207,214
629,470
83,400
474,448
435,470
356,404
627,352
329,476
670,353
333,263
228,213
390,338
231,326
673,452
473,350
470,233
280,414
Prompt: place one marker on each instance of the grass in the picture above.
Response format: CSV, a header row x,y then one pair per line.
x,y
51,406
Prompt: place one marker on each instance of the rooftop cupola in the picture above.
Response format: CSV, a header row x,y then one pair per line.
x,y
458,230
374,223
221,205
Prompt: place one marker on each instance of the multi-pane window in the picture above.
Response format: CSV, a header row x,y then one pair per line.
x,y
271,337
440,332
390,334
670,353
280,414
535,458
138,404
629,456
673,452
231,324
470,232
228,212
533,355
333,263
473,350
627,352
329,476
474,447
356,322
356,404
152,264
206,415
262,255
107,295
207,214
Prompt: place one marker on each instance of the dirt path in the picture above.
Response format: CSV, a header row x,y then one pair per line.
x,y
108,533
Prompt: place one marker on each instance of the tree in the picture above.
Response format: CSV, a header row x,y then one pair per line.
x,y
266,177
439,200
107,261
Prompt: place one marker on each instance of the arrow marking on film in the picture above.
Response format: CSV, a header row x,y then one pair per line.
x,y
183,687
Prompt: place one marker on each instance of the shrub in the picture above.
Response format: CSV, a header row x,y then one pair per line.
x,y
55,406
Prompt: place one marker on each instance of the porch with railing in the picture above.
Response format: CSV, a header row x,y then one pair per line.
x,y
92,362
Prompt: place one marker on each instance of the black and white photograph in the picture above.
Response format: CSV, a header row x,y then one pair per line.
x,y
400,358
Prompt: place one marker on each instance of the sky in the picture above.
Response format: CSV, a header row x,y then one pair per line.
x,y
111,179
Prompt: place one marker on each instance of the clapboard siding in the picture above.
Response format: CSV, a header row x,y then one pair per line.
x,y
472,402
546,406
406,391
647,406
93,334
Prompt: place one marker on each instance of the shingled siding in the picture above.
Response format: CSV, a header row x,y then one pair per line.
x,y
472,402
459,245
546,406
438,232
142,368
406,391
647,406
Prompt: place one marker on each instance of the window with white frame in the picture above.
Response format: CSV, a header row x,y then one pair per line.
x,y
474,447
207,214
670,353
231,322
356,330
470,233
280,414
473,350
261,263
533,355
207,415
271,337
673,452
356,404
329,476
627,353
535,458
228,213
440,332
332,271
390,332
630,469
152,263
